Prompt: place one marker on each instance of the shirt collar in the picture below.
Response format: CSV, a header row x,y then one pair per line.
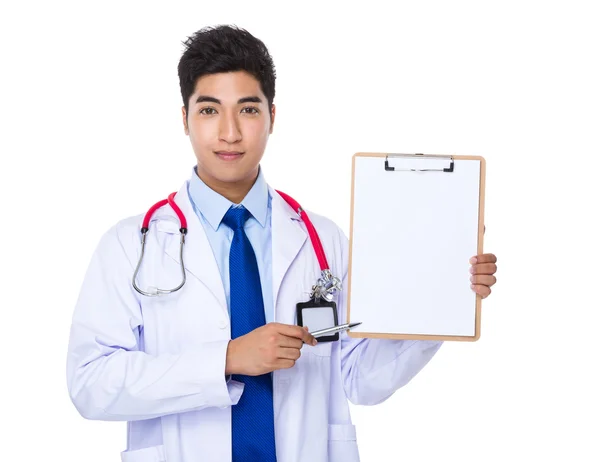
x,y
214,206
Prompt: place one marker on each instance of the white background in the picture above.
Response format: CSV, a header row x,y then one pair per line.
x,y
91,133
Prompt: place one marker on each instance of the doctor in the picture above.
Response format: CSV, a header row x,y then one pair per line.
x,y
218,370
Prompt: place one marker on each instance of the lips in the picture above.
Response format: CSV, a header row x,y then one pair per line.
x,y
229,155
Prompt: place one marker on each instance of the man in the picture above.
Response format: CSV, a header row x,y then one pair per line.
x,y
219,370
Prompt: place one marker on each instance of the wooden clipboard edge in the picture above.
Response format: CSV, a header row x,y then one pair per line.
x,y
482,172
460,338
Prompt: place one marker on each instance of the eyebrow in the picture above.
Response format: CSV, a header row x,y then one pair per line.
x,y
247,99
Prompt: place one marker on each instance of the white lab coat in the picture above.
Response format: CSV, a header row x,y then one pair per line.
x,y
159,362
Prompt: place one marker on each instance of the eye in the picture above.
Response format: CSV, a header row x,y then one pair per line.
x,y
207,109
256,111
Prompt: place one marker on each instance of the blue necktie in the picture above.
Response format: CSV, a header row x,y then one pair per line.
x,y
253,432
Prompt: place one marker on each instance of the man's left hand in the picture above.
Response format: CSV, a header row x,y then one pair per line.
x,y
482,270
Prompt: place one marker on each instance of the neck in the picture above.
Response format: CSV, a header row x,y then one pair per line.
x,y
233,191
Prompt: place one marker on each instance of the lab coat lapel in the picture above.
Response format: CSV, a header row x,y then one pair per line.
x,y
197,253
288,237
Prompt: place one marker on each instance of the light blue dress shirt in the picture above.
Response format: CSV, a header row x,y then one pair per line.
x,y
210,207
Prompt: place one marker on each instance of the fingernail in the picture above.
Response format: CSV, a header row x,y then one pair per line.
x,y
473,260
315,342
472,278
472,287
472,270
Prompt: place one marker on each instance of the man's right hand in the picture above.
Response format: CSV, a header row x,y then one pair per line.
x,y
268,348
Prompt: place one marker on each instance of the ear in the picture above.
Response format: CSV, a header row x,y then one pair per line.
x,y
185,125
272,118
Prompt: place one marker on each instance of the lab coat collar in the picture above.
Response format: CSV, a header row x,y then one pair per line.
x,y
197,251
288,237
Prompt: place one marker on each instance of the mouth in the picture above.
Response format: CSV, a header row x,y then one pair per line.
x,y
229,155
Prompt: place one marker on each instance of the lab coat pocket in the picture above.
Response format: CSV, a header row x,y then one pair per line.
x,y
342,445
320,349
151,454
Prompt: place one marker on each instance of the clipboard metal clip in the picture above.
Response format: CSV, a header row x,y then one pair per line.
x,y
448,169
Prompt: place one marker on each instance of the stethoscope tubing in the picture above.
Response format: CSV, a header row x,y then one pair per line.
x,y
312,232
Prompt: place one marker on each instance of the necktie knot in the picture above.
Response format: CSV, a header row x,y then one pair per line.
x,y
236,217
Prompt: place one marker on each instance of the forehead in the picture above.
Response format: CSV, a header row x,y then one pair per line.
x,y
230,85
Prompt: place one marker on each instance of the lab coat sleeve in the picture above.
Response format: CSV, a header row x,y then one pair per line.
x,y
373,369
109,378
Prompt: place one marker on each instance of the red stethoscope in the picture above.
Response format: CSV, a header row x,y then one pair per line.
x,y
325,287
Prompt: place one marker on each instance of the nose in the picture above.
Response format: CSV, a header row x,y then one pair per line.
x,y
229,130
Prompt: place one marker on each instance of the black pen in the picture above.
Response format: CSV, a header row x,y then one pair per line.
x,y
334,329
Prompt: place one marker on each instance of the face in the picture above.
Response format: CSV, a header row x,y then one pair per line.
x,y
228,125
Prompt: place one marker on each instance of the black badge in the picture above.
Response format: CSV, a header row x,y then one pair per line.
x,y
318,315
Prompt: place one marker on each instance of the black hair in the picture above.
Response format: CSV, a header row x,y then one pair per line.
x,y
225,48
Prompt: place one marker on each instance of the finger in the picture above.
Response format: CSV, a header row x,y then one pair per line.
x,y
481,290
284,363
483,258
484,268
291,330
485,280
290,342
298,332
309,339
288,353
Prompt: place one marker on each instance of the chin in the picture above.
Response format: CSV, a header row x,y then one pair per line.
x,y
224,175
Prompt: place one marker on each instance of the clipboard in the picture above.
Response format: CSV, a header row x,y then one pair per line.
x,y
415,222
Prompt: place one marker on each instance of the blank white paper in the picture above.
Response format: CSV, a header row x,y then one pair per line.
x,y
413,234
